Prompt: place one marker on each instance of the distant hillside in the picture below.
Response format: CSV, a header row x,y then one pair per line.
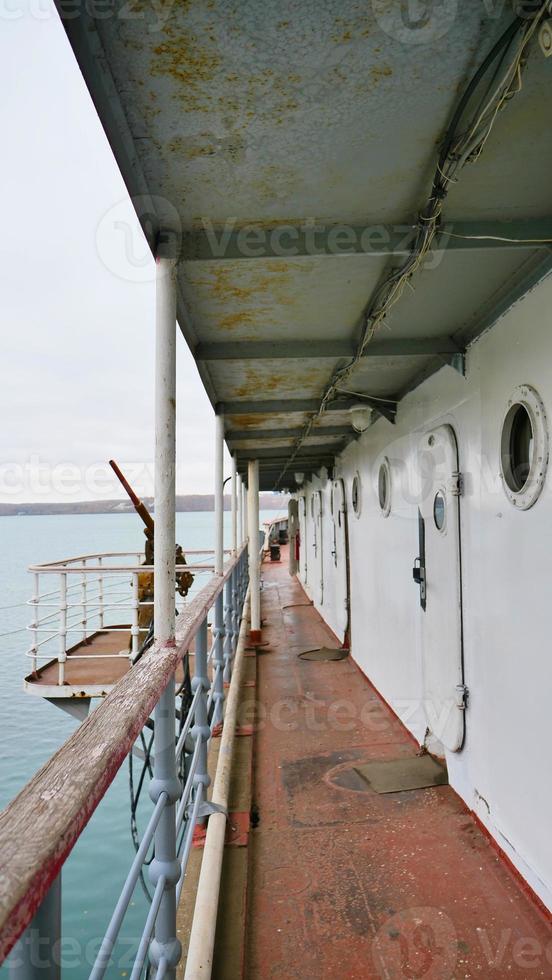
x,y
184,503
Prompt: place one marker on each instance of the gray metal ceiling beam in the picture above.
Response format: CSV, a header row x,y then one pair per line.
x,y
298,349
258,435
277,406
307,452
312,238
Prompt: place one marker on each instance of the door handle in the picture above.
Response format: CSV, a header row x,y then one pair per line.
x,y
417,572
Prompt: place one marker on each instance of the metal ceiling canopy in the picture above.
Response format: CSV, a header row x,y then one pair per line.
x,y
285,150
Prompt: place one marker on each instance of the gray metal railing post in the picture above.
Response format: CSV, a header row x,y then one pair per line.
x,y
201,730
235,609
165,868
37,954
229,631
218,658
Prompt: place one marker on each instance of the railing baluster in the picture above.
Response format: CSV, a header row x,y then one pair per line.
x,y
235,611
62,627
228,638
84,602
35,623
38,952
201,730
218,659
101,594
135,629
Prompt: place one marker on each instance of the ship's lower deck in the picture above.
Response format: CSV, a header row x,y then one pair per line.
x,y
344,882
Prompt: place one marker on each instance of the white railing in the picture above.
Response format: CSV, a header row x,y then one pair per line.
x,y
75,600
39,828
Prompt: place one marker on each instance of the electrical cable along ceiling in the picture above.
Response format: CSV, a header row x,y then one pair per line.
x,y
353,202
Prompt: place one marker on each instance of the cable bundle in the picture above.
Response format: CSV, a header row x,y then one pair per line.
x,y
461,144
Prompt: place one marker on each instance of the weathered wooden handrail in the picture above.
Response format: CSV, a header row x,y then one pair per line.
x,y
41,825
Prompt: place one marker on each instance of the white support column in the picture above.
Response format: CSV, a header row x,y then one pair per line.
x,y
239,500
244,513
219,494
254,548
165,450
234,507
164,870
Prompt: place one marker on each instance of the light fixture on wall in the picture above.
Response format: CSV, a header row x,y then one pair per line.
x,y
299,477
361,416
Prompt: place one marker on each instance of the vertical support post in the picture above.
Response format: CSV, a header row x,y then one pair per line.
x,y
37,954
201,731
234,507
239,500
254,548
62,657
244,512
35,622
219,494
165,865
228,629
218,659
101,594
235,580
135,628
84,604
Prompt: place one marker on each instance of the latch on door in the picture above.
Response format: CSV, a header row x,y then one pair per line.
x,y
419,571
418,574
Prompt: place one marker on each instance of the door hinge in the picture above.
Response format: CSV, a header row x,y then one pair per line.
x,y
462,695
457,484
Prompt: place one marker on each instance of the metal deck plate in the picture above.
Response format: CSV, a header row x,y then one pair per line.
x,y
399,775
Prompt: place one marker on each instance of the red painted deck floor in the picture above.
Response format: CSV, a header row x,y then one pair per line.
x,y
345,883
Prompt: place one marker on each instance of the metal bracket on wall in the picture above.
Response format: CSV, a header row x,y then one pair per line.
x,y
456,361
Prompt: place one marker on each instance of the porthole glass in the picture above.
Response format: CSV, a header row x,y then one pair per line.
x,y
384,487
524,447
439,511
356,495
518,457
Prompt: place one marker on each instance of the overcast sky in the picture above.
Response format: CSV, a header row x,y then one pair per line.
x,y
77,339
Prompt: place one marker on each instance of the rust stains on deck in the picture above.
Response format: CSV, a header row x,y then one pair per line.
x,y
344,882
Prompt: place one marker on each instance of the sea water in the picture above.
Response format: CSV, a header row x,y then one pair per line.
x,y
32,729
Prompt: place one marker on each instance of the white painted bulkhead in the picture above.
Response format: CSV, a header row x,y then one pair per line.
x,y
501,771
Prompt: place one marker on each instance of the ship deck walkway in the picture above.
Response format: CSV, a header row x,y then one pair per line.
x,y
344,882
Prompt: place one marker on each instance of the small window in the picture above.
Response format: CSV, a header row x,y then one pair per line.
x,y
518,457
439,510
384,487
356,497
524,447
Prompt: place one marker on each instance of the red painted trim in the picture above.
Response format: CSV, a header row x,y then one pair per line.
x,y
254,636
515,872
386,703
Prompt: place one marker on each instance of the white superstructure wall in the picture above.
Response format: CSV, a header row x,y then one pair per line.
x,y
502,770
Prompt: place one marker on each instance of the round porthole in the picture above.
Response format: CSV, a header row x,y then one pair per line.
x,y
524,447
439,510
356,495
384,487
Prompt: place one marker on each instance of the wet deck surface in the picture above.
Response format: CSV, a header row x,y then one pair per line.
x,y
345,883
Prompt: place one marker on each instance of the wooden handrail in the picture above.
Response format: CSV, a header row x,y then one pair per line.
x,y
39,828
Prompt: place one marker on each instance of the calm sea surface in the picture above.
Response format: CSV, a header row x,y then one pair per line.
x,y
32,729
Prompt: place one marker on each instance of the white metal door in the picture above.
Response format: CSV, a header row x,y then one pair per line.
x,y
438,573
340,557
318,576
303,552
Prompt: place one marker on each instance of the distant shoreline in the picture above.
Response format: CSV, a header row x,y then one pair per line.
x,y
185,503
